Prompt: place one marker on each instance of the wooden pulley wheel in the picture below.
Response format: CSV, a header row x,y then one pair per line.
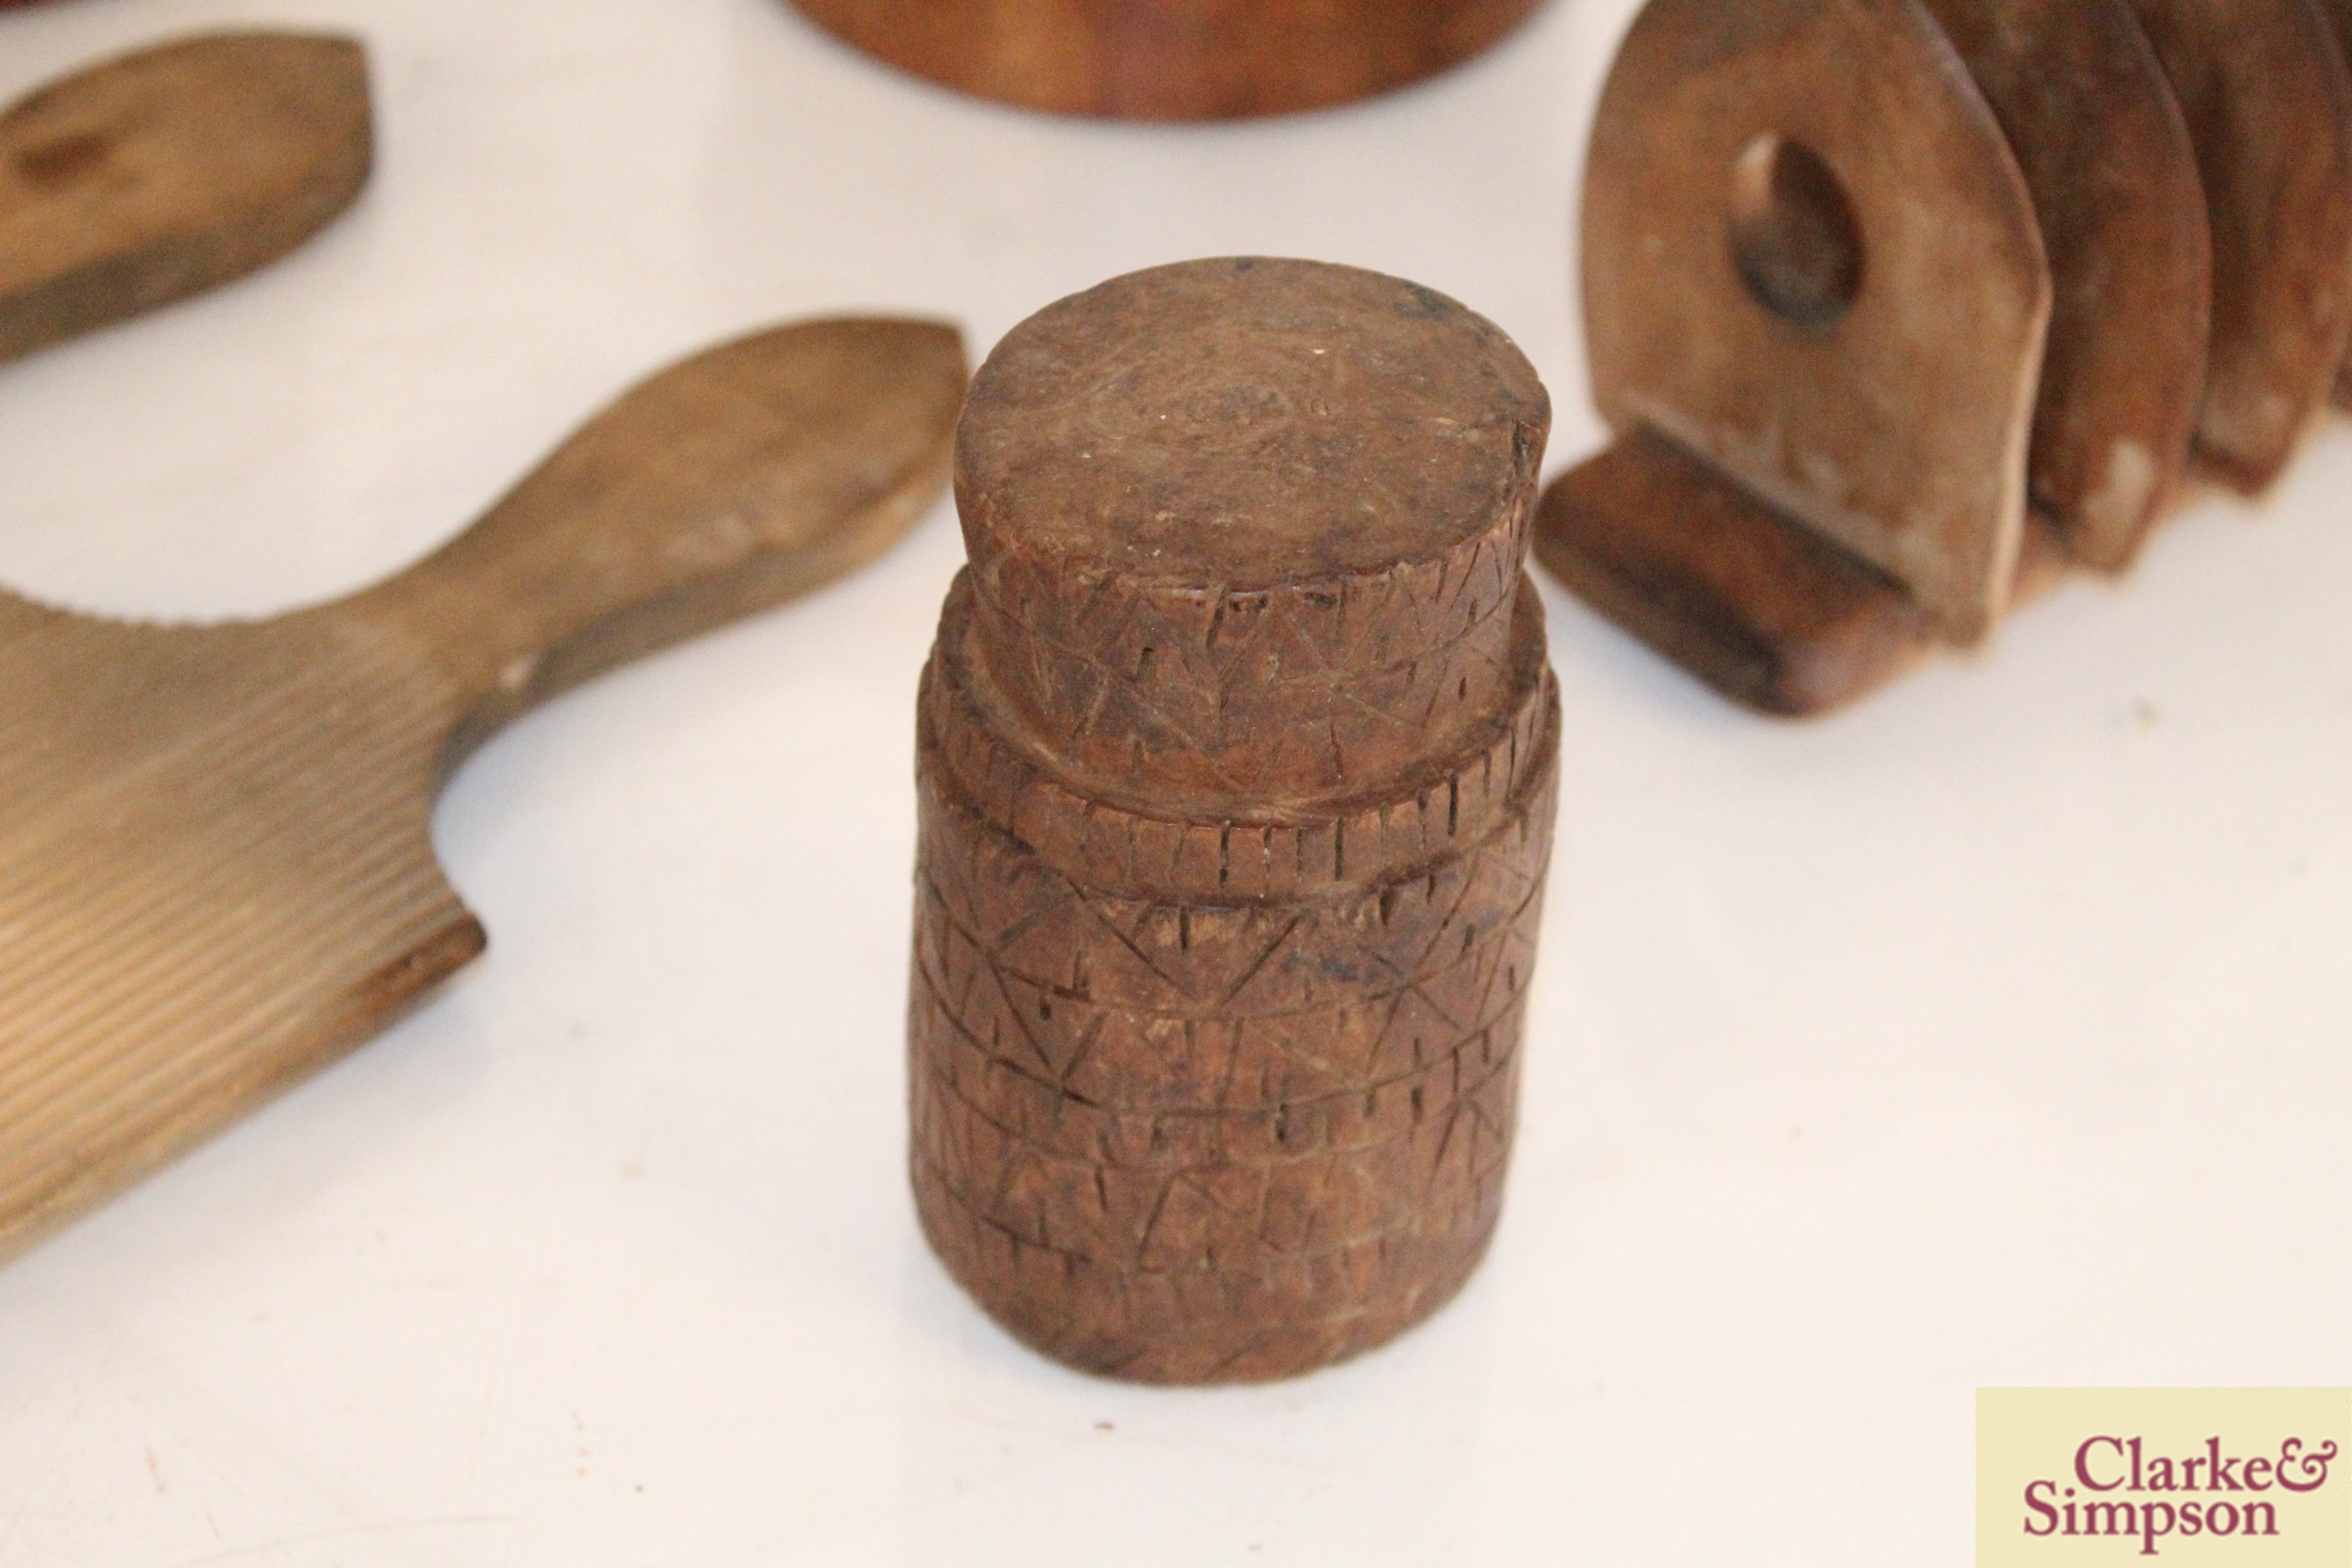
x,y
1898,306
1171,59
1237,760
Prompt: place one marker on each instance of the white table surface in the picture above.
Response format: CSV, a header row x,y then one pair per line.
x,y
1994,1032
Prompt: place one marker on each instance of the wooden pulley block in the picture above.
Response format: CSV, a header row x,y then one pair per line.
x,y
1899,306
157,176
1171,59
1238,761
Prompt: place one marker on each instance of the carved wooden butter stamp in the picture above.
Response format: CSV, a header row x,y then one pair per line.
x,y
1237,768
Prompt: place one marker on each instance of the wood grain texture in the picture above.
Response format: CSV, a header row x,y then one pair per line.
x,y
2087,112
1745,598
2339,21
1214,1043
152,177
1786,437
1753,603
2265,89
1896,426
1171,59
215,867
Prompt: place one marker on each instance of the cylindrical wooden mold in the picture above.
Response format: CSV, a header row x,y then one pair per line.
x,y
1237,763
1171,59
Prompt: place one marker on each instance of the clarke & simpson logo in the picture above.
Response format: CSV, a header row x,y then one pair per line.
x,y
2241,1478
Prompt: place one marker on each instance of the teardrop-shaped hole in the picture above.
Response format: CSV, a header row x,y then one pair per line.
x,y
1794,234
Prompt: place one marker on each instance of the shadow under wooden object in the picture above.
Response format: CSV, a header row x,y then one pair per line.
x,y
1932,288
1171,59
1238,761
165,173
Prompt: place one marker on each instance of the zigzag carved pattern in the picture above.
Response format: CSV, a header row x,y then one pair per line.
x,y
1185,1141
1246,958
1226,636
1255,694
1237,760
1301,852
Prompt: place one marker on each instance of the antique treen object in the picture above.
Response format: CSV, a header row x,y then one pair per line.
x,y
1238,761
2263,87
2339,18
1171,59
162,174
1900,306
216,872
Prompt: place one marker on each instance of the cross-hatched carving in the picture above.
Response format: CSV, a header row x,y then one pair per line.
x,y
1237,758
1307,690
1178,1138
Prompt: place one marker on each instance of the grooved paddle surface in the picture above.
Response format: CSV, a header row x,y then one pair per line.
x,y
215,864
216,868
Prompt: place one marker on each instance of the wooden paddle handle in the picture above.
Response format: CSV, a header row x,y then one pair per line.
x,y
161,173
712,489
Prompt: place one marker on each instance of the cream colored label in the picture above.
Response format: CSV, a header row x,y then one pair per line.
x,y
2231,1477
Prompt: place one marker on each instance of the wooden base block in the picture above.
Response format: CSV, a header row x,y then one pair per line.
x,y
1749,601
1723,585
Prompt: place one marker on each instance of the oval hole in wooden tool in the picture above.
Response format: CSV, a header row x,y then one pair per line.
x,y
1794,233
1902,436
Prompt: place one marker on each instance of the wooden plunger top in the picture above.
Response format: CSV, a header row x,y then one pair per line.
x,y
1249,532
1246,424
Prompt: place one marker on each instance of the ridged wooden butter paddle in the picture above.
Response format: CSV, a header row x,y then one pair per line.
x,y
216,868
